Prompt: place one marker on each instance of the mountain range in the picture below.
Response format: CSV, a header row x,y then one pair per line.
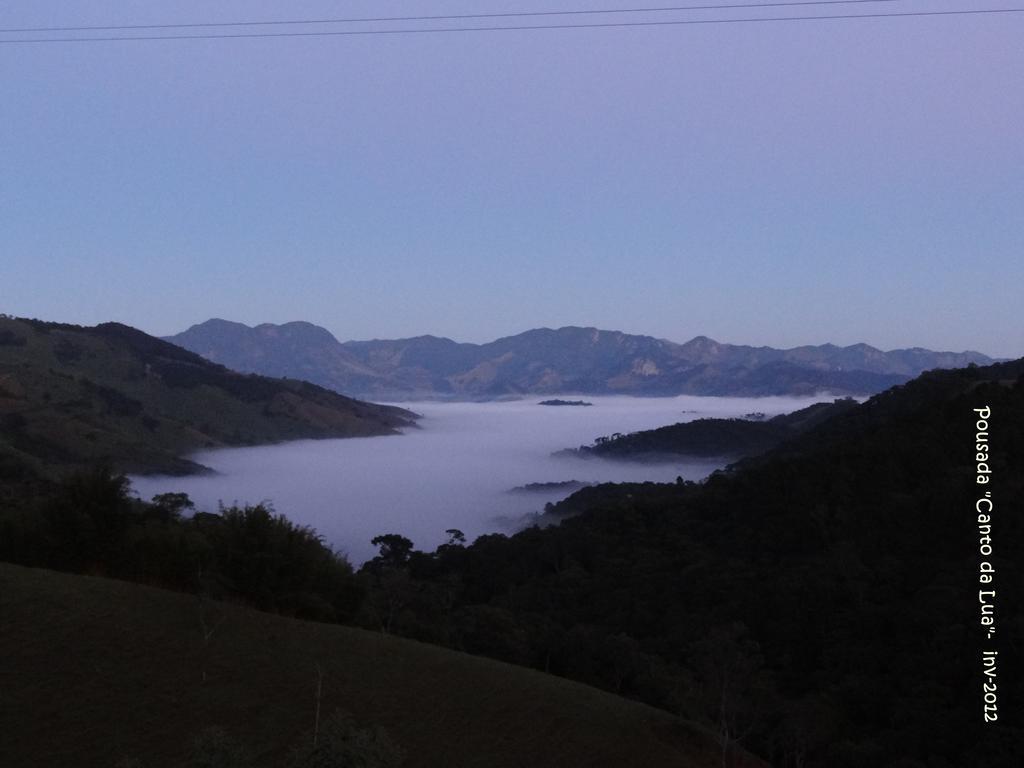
x,y
546,361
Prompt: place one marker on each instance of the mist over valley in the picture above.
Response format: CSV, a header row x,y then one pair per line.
x,y
454,471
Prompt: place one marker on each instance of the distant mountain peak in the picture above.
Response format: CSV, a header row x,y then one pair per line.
x,y
219,324
567,360
298,329
296,349
703,348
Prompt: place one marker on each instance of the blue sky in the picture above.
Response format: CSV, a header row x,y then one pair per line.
x,y
772,184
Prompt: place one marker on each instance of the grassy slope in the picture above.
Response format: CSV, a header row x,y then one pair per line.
x,y
72,395
94,670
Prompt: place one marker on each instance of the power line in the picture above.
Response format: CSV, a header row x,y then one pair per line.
x,y
602,25
464,16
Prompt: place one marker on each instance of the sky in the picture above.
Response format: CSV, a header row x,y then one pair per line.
x,y
758,183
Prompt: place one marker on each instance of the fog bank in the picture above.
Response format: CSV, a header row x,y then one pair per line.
x,y
455,471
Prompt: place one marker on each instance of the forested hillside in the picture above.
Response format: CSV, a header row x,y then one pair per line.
x,y
729,438
819,604
71,396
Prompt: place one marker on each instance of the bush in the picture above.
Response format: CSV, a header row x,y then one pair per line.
x,y
342,744
213,748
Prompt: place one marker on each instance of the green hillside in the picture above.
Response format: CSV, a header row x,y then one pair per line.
x,y
70,396
94,671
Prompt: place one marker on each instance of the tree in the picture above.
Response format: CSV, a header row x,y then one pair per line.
x,y
87,519
733,683
170,505
456,538
394,549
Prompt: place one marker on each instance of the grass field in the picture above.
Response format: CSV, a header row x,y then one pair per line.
x,y
93,671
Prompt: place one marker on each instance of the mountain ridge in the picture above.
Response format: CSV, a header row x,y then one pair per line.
x,y
548,361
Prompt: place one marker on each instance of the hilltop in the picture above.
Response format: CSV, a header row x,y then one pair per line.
x,y
728,438
71,396
96,671
547,362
